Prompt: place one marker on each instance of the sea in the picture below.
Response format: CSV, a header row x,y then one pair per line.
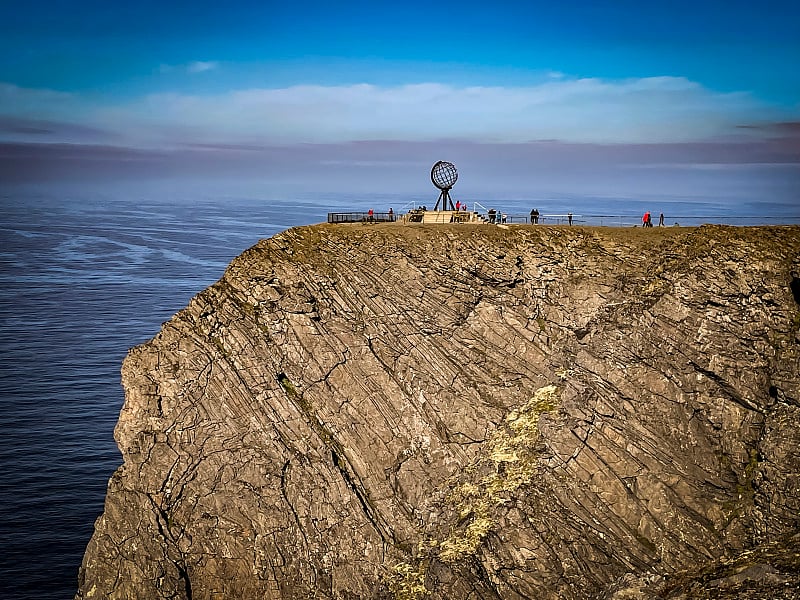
x,y
86,274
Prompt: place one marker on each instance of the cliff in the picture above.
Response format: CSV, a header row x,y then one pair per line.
x,y
459,411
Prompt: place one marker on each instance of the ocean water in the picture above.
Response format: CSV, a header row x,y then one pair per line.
x,y
86,275
82,279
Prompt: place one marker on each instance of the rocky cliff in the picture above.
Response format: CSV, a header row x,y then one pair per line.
x,y
463,411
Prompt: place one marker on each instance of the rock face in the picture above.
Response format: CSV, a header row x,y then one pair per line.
x,y
463,411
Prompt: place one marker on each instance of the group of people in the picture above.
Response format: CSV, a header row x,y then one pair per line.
x,y
647,221
495,216
535,217
389,216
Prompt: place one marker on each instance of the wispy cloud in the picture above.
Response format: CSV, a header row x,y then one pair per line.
x,y
12,127
197,66
32,102
200,66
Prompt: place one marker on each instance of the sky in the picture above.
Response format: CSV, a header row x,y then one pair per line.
x,y
689,99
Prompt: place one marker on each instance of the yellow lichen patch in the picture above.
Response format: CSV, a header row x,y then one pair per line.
x,y
503,454
509,462
527,418
458,546
407,582
425,545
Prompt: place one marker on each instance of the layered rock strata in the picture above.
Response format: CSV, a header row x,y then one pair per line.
x,y
412,411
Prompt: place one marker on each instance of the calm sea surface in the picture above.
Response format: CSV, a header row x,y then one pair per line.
x,y
81,281
84,277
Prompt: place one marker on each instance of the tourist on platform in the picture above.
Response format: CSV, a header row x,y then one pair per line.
x,y
569,218
535,216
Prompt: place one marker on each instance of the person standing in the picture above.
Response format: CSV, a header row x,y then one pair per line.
x,y
569,218
458,205
645,219
534,216
661,220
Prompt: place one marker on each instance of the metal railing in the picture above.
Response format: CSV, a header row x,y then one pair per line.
x,y
603,220
361,217
630,220
408,206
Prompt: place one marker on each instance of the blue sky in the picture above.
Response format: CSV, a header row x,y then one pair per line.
x,y
165,81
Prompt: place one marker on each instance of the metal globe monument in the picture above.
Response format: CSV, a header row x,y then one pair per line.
x,y
444,176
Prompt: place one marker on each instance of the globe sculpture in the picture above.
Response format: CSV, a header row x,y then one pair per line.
x,y
444,176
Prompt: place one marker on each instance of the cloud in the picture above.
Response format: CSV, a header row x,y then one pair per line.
x,y
200,66
32,102
630,111
788,129
22,128
197,66
656,109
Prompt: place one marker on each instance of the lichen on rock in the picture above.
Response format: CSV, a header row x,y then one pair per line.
x,y
508,463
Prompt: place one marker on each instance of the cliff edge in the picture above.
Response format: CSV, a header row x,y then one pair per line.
x,y
466,411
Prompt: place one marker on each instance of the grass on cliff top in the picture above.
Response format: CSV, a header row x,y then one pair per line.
x,y
313,244
311,238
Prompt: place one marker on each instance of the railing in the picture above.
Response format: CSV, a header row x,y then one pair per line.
x,y
500,217
360,217
629,220
559,219
408,205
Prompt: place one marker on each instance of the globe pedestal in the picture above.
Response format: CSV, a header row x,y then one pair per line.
x,y
445,199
